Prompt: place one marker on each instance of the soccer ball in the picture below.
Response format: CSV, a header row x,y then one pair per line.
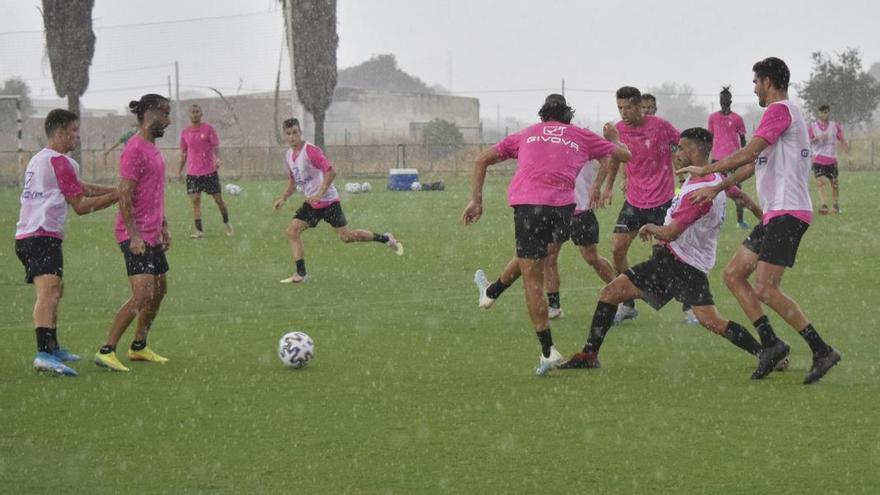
x,y
233,189
416,186
296,350
353,187
366,187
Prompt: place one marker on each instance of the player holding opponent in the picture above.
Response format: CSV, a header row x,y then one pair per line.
x,y
142,233
51,183
200,154
824,135
679,266
310,169
779,153
549,156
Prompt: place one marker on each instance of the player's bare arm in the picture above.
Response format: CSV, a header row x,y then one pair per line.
x,y
708,193
669,232
741,157
329,175
126,209
291,188
474,209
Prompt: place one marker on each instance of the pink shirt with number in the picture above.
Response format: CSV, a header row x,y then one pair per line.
x,y
782,170
649,178
198,143
825,147
726,130
50,179
142,163
549,156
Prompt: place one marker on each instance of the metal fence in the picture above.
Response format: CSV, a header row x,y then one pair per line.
x,y
363,160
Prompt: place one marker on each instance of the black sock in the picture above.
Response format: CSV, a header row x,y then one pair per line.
x,y
301,267
553,299
630,303
813,339
380,238
602,320
741,338
739,213
496,288
107,349
765,331
199,224
546,340
225,216
138,345
46,339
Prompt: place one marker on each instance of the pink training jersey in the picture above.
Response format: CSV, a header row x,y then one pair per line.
x,y
824,138
783,169
198,143
549,156
726,130
701,223
50,178
142,163
649,177
307,170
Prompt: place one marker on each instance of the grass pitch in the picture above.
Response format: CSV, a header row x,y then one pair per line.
x,y
413,388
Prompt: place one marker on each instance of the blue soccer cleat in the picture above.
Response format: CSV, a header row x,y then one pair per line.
x,y
65,356
49,363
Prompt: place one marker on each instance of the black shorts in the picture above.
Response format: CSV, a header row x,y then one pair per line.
x,y
631,219
584,229
40,256
208,184
536,226
777,242
331,214
152,262
829,171
664,277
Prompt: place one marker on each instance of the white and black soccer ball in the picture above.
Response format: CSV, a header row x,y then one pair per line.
x,y
296,350
416,186
233,189
366,187
353,187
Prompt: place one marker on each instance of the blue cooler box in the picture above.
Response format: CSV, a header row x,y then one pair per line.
x,y
401,179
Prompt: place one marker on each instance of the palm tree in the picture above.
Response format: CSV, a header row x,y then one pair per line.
x,y
70,43
314,54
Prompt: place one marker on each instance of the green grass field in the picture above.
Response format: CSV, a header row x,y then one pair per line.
x,y
413,388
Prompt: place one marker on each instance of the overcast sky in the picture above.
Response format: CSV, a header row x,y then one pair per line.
x,y
508,53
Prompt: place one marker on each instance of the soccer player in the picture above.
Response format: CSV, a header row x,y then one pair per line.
x,y
824,135
142,233
200,154
650,185
649,104
549,157
680,264
729,134
779,153
584,233
51,183
308,168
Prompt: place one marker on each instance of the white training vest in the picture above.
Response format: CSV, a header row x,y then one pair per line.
x,y
826,145
307,176
582,185
42,204
783,169
697,244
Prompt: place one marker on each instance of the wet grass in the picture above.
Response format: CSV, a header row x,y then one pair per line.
x,y
415,390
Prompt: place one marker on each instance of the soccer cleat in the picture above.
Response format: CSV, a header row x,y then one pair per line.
x,y
45,361
624,313
548,363
690,318
743,225
823,210
64,355
197,234
822,362
836,209
582,360
394,244
109,361
229,230
482,282
769,358
783,365
555,313
145,354
295,279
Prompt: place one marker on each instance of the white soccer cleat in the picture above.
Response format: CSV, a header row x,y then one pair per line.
x,y
548,363
230,231
295,279
690,318
394,244
197,234
482,282
624,313
555,313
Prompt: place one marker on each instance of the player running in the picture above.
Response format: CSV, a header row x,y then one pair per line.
x,y
308,168
824,136
51,183
729,134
